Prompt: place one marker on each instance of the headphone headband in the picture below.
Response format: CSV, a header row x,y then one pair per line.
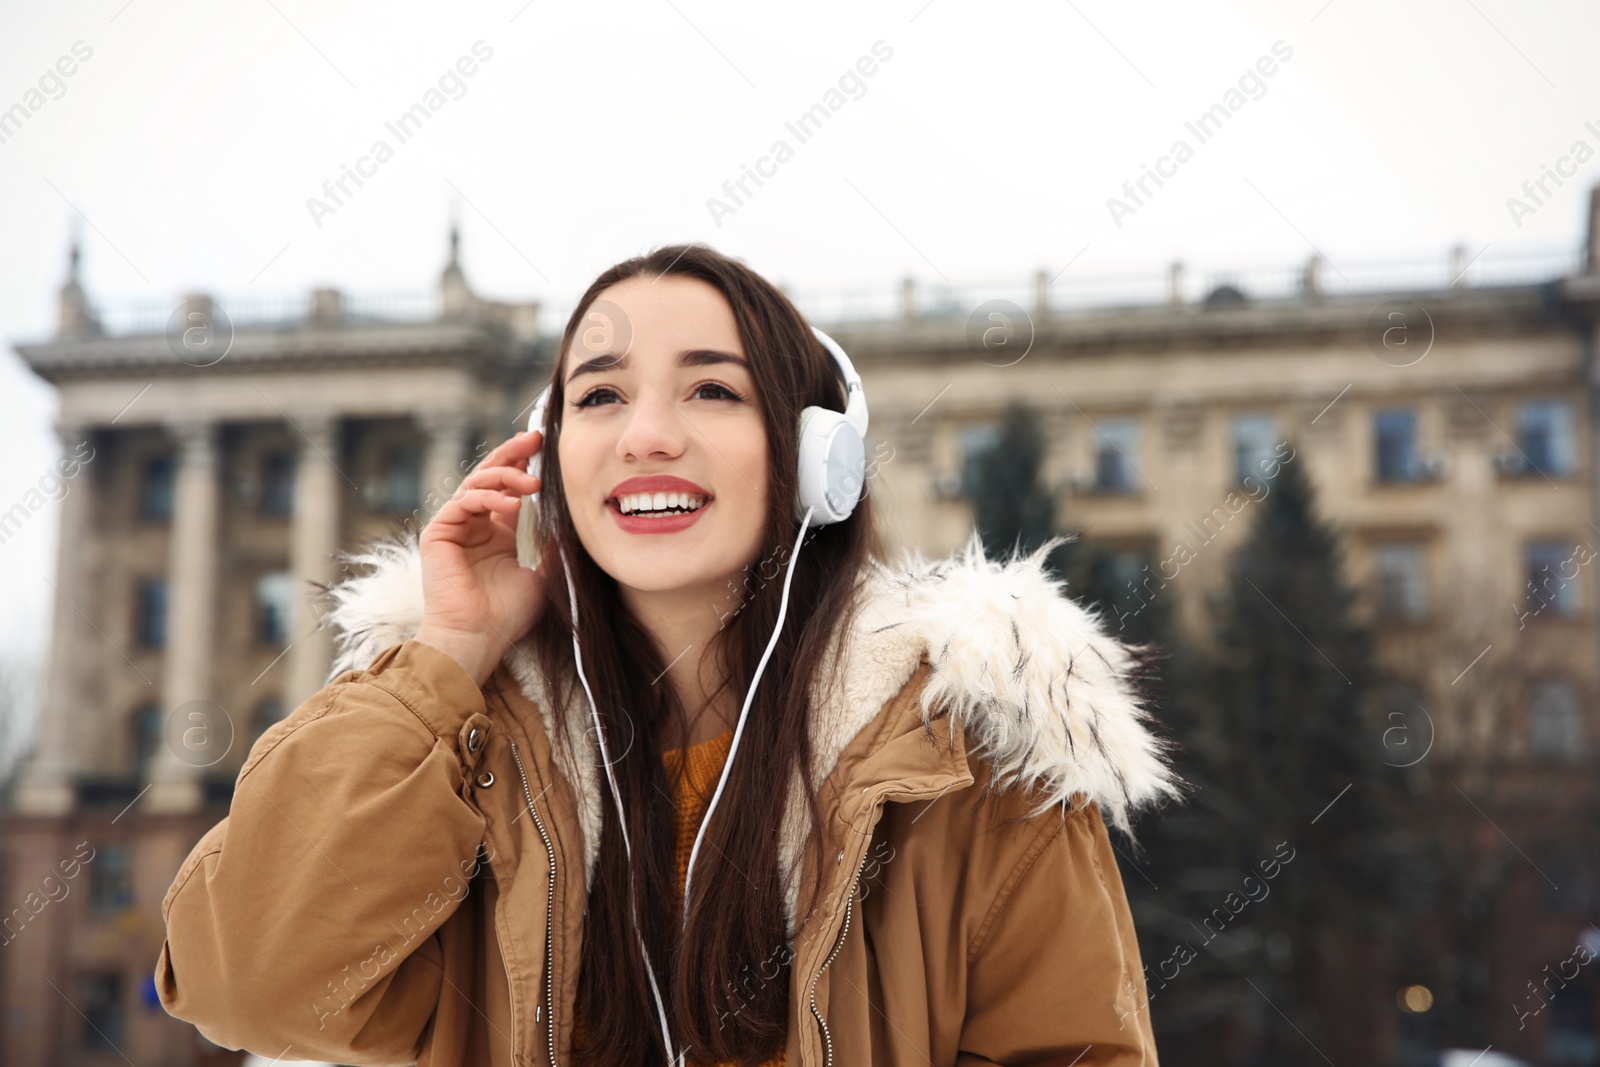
x,y
855,399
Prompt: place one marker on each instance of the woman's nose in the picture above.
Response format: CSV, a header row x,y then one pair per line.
x,y
655,426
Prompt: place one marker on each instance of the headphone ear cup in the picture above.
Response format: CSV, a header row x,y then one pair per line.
x,y
530,547
832,461
536,422
530,535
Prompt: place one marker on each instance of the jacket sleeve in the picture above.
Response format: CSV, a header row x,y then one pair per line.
x,y
305,923
1054,975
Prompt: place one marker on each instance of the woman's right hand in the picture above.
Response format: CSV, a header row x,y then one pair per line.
x,y
477,600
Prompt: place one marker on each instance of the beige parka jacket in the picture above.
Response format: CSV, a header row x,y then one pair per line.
x,y
403,871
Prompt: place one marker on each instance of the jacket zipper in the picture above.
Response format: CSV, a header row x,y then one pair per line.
x,y
827,1038
550,909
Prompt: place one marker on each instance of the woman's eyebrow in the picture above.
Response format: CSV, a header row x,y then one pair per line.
x,y
692,357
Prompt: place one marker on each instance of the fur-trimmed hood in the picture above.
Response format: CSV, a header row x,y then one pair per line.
x,y
1043,691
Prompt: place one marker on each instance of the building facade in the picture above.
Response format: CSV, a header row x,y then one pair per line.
x,y
221,455
218,463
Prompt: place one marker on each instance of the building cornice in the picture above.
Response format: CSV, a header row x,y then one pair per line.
x,y
1455,314
478,345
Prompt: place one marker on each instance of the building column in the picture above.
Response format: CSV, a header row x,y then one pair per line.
x,y
1591,417
313,541
198,733
442,469
1590,429
46,784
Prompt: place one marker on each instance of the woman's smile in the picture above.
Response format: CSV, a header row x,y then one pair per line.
x,y
654,523
656,504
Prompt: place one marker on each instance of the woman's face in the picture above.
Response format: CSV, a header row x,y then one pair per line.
x,y
674,423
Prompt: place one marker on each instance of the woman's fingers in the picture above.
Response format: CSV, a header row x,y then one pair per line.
x,y
519,447
495,487
491,500
511,479
468,504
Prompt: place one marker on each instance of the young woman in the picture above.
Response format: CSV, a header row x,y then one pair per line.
x,y
716,782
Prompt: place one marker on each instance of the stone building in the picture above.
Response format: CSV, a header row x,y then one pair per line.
x,y
1447,426
227,452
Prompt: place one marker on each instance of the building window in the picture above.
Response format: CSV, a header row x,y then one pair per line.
x,y
402,478
156,478
277,484
1402,593
100,999
1555,721
274,591
1395,445
110,879
268,712
151,624
975,441
1544,438
1126,583
1552,576
1116,455
1255,439
147,730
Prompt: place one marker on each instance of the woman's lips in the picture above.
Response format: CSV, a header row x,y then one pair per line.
x,y
656,524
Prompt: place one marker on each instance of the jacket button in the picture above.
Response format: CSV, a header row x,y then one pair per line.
x,y
486,779
474,740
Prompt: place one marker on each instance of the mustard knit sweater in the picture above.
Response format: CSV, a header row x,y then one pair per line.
x,y
701,770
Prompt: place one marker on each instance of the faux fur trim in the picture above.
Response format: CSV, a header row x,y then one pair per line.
x,y
1044,692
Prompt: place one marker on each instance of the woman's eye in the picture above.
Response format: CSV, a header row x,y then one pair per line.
x,y
591,398
588,398
728,394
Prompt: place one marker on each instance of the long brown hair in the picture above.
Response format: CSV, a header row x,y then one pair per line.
x,y
726,995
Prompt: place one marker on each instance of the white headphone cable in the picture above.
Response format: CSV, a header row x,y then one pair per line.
x,y
738,730
727,766
616,796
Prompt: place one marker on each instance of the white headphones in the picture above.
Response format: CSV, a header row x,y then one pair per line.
x,y
832,452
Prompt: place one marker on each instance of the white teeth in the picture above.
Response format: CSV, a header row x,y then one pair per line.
x,y
635,502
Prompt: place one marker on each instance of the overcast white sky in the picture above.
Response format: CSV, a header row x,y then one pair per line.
x,y
983,149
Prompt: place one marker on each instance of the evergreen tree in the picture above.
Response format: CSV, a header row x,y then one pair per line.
x,y
1260,901
1011,509
1292,785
